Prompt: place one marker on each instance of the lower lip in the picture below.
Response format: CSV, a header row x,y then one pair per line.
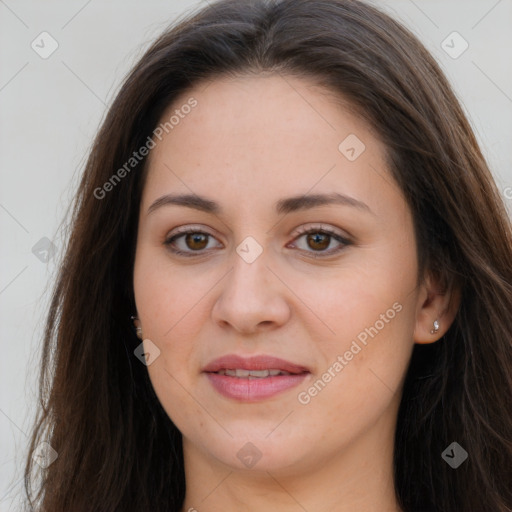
x,y
253,390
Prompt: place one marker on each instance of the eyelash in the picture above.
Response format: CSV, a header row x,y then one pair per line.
x,y
305,231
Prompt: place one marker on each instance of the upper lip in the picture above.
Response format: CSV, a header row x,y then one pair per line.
x,y
262,362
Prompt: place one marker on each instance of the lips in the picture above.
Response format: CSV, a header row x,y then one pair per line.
x,y
252,379
253,364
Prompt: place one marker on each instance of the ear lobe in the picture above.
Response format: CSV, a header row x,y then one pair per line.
x,y
435,303
137,325
135,320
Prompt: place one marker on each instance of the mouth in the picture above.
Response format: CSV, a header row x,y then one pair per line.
x,y
252,379
255,365
252,374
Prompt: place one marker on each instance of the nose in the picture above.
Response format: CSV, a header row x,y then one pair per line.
x,y
251,298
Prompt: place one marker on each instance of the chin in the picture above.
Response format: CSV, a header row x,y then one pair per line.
x,y
258,454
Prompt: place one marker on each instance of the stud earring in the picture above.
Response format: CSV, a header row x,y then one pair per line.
x,y
138,330
436,327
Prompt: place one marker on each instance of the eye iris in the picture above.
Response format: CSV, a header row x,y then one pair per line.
x,y
319,240
194,239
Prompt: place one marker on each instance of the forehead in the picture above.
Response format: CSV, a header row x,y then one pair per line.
x,y
265,136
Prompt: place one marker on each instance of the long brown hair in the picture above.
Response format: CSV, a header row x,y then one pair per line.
x,y
117,448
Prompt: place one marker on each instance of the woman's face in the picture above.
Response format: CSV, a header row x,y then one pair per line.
x,y
300,247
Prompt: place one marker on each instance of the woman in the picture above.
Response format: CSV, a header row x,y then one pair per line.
x,y
288,283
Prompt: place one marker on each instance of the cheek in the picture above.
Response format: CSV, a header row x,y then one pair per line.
x,y
165,295
356,299
167,307
361,380
170,309
368,317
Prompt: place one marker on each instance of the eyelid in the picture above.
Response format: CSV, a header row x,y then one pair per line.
x,y
190,228
300,231
186,228
320,227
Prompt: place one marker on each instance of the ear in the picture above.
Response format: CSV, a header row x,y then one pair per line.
x,y
138,327
436,301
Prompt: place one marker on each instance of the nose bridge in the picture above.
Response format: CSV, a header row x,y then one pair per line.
x,y
249,274
250,296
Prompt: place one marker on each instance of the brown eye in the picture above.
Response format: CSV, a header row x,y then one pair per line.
x,y
196,241
191,242
318,241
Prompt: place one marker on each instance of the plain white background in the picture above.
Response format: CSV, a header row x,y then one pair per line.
x,y
51,108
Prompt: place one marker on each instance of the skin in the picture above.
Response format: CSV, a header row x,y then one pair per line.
x,y
251,141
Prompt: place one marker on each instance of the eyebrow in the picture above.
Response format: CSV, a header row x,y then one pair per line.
x,y
283,206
